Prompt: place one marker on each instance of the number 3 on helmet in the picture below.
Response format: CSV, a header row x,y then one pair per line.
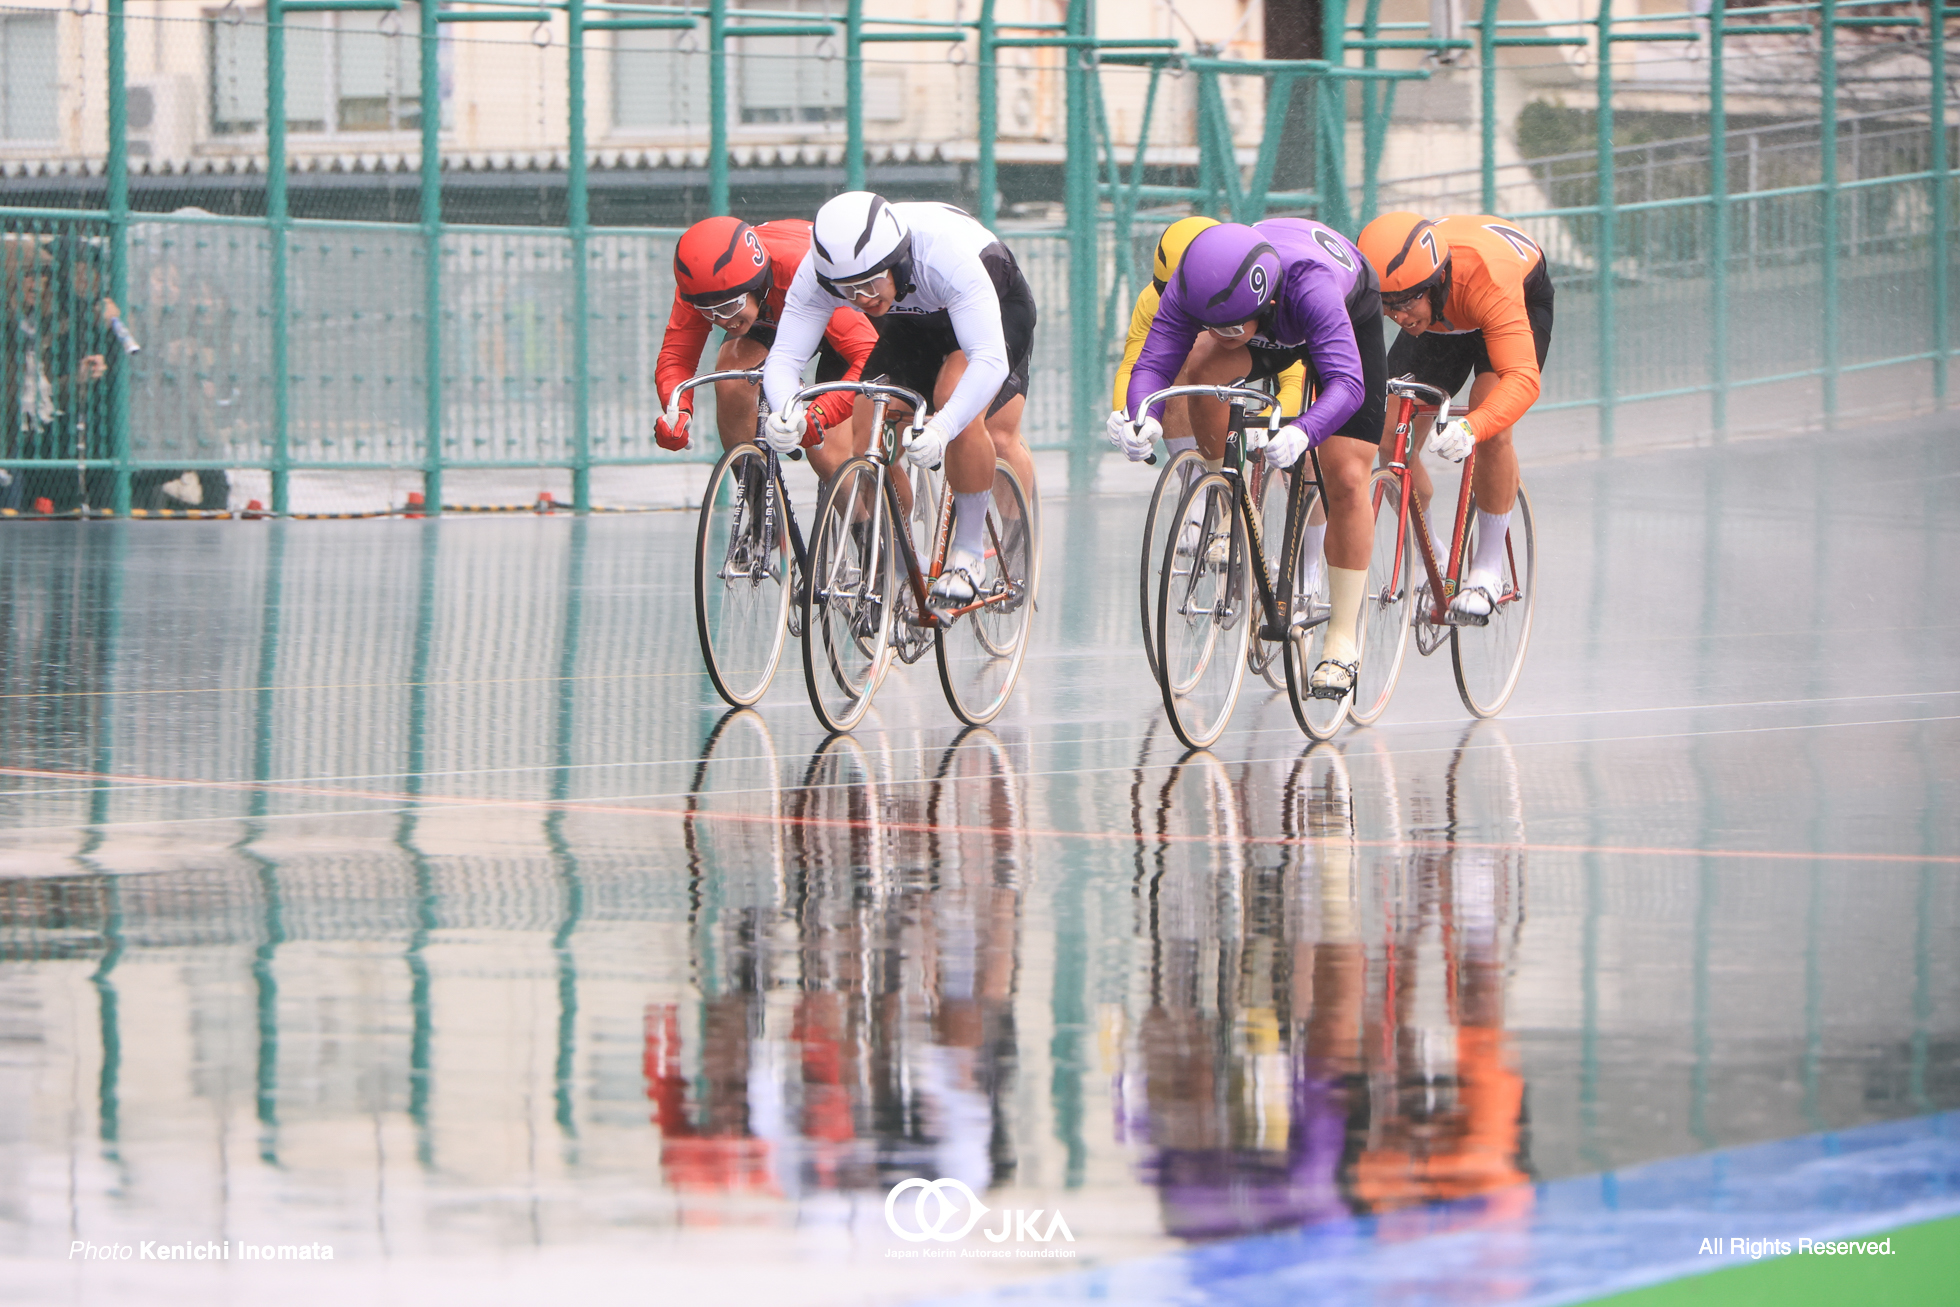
x,y
718,259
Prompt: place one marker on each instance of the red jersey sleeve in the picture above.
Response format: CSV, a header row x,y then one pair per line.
x,y
680,352
851,334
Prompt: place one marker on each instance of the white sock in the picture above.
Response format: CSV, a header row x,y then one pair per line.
x,y
1316,539
1346,587
1487,561
970,521
1178,444
1214,464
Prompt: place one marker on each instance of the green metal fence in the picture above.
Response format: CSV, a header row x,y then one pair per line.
x,y
292,351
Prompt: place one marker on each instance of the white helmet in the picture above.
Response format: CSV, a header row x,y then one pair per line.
x,y
858,235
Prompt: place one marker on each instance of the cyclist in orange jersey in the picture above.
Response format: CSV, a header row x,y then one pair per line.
x,y
1472,293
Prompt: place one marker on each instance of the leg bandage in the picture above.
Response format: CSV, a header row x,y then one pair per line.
x,y
1346,586
970,521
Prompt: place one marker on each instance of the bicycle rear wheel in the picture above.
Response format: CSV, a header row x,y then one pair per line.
x,y
1489,657
742,576
847,611
1385,616
1182,468
1204,613
1306,641
980,653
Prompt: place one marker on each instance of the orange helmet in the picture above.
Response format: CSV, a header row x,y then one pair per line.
x,y
1408,255
718,259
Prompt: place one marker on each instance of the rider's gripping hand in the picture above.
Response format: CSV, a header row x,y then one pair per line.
x,y
1453,440
670,430
1134,442
784,430
1284,447
927,447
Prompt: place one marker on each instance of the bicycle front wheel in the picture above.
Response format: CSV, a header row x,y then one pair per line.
x,y
980,653
1489,657
1204,612
847,611
742,576
1172,482
1385,617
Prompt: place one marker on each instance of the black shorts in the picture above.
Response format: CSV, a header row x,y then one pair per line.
x,y
831,365
1446,362
912,347
1365,313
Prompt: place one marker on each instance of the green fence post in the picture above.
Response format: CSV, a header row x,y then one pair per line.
x,y
1827,142
718,106
278,232
1487,74
854,96
1603,256
985,179
577,217
118,186
1941,349
431,93
1718,235
1085,350
1331,94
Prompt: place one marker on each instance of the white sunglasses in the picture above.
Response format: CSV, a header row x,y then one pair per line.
x,y
864,289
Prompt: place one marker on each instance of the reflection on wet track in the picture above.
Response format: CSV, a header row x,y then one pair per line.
x,y
401,887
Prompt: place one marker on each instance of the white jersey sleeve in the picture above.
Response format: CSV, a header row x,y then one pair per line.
x,y
974,307
806,312
949,274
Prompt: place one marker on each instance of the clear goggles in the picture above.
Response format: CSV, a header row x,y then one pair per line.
x,y
1234,331
726,311
864,288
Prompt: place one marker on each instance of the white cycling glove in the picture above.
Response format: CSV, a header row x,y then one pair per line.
x,y
927,447
1284,447
1453,440
784,430
1135,442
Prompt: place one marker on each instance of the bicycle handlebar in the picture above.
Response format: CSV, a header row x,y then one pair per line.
x,y
753,376
1244,396
1411,388
872,389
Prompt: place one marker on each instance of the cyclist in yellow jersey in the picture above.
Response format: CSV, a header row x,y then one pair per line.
x,y
1177,414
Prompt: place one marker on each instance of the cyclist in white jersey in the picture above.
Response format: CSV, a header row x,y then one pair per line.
x,y
955,321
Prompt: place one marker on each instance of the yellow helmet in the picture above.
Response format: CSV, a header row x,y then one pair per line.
x,y
1171,246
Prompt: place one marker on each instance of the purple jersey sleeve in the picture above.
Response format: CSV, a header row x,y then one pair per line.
x,y
1315,312
1321,268
1172,333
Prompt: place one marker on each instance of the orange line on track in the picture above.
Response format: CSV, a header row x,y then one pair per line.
x,y
847,823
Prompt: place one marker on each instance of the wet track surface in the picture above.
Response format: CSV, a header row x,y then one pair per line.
x,y
402,887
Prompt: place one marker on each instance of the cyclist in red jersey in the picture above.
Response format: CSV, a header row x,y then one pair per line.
x,y
730,275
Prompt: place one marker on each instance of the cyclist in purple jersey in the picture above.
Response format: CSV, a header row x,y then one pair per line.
x,y
1246,303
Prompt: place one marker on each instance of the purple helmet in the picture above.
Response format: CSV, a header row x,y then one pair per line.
x,y
1229,273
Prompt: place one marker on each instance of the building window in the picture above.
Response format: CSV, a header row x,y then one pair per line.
x,y
345,73
660,79
28,58
787,79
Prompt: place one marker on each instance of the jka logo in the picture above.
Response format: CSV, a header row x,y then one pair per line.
x,y
947,1211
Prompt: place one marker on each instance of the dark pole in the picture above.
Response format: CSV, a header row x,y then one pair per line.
x,y
1293,31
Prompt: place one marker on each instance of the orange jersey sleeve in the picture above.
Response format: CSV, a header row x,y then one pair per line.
x,y
680,352
1489,260
851,334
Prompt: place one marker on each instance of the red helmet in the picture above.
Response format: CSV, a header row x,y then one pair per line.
x,y
718,259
